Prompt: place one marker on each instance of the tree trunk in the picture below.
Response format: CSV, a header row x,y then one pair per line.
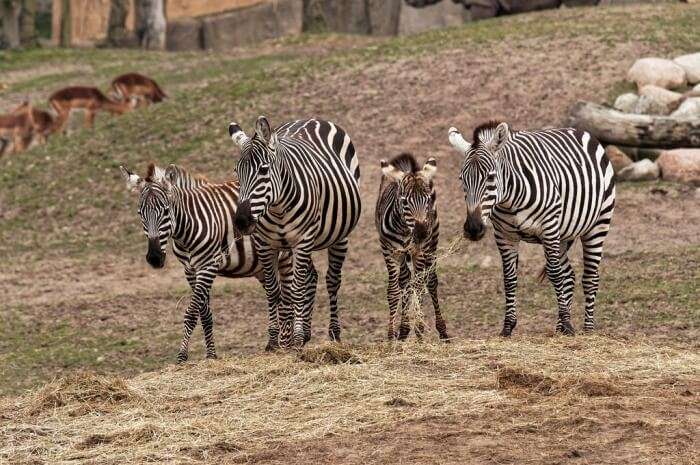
x,y
614,127
27,23
117,35
10,11
150,24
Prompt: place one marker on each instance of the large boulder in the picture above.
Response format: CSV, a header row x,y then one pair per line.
x,y
184,34
643,170
384,17
618,158
626,103
667,99
680,165
656,71
690,108
649,106
691,64
413,20
251,25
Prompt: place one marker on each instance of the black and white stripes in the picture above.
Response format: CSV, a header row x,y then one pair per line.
x,y
407,222
299,192
548,187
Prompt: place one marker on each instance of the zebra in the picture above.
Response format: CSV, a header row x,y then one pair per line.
x,y
407,222
299,192
197,215
548,187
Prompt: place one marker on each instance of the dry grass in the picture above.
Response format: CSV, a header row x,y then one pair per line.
x,y
239,408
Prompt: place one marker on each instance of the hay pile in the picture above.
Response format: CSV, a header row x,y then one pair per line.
x,y
242,407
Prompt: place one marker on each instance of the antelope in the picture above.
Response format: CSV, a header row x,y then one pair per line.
x,y
43,121
137,86
89,99
17,128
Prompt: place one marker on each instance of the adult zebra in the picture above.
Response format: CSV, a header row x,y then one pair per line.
x,y
548,187
299,191
197,215
407,222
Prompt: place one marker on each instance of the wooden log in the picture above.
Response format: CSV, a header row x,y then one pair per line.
x,y
614,127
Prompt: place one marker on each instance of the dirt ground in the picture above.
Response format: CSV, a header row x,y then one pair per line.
x,y
102,308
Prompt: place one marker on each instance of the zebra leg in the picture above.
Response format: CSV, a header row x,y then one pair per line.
x,y
309,300
405,284
592,244
393,290
336,256
191,317
509,261
302,260
432,284
558,274
200,299
568,284
420,275
268,259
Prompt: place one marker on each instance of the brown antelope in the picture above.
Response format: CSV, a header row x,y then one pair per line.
x,y
89,99
17,128
44,123
137,86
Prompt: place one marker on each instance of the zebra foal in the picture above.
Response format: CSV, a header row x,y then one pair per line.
x,y
407,222
197,216
548,187
299,192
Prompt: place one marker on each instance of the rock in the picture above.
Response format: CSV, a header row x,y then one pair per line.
x,y
642,170
648,106
618,158
688,109
666,98
384,17
691,64
658,72
413,20
680,165
346,16
184,34
251,25
626,103
523,6
483,9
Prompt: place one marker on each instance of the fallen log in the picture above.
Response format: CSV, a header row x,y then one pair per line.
x,y
614,127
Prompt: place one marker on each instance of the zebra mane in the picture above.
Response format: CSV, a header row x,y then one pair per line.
x,y
484,129
405,162
186,179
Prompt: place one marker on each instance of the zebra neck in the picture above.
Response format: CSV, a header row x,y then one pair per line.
x,y
508,176
178,214
285,187
396,216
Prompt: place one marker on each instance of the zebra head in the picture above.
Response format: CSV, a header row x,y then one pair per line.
x,y
154,210
480,175
254,171
415,192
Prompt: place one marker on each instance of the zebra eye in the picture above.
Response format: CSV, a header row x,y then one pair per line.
x,y
264,169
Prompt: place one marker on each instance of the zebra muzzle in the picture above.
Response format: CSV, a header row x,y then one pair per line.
x,y
474,227
155,256
244,220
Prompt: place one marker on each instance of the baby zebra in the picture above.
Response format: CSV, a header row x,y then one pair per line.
x,y
546,187
198,216
407,222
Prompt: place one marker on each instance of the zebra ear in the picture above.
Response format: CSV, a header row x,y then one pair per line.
x,y
457,141
133,181
499,138
170,173
391,171
429,169
262,129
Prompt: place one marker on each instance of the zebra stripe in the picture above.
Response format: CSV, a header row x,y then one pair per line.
x,y
197,216
407,222
548,187
299,192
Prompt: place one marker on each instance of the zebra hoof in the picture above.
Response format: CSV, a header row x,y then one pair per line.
x,y
506,331
566,329
211,357
298,341
272,347
181,357
445,338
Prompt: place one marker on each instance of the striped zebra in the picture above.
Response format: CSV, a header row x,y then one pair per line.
x,y
547,187
197,216
299,192
407,221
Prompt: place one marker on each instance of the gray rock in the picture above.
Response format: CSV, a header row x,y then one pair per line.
x,y
665,98
656,71
680,165
688,109
184,34
642,170
384,17
618,158
413,20
691,64
626,103
648,106
252,25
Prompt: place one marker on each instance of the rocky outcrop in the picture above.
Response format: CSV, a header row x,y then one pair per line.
x,y
680,165
658,72
688,109
445,14
184,34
